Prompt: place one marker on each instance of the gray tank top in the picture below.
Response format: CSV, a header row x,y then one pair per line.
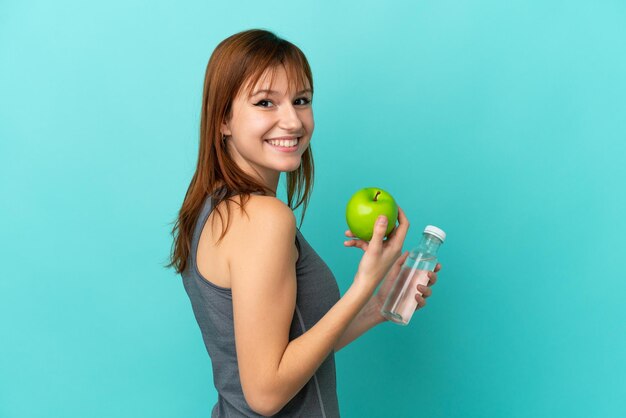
x,y
317,292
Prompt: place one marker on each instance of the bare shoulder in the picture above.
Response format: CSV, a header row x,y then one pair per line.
x,y
267,208
221,246
264,216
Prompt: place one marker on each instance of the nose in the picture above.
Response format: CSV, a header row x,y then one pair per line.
x,y
289,119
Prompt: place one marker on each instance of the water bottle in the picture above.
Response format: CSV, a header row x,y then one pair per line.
x,y
400,303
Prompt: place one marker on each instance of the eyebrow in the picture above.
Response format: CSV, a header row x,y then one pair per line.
x,y
277,92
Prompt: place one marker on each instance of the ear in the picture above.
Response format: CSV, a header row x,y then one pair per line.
x,y
225,129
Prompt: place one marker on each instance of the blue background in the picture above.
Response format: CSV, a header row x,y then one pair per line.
x,y
501,122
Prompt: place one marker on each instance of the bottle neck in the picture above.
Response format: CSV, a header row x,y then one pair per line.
x,y
430,244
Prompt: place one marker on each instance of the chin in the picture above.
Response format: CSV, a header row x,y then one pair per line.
x,y
287,166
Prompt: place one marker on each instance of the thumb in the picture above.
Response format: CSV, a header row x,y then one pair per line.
x,y
395,269
380,227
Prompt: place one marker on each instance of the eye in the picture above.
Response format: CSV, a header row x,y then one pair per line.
x,y
261,103
306,100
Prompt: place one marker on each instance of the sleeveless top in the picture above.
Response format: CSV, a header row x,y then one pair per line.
x,y
317,292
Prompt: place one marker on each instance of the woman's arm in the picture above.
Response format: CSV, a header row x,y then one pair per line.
x,y
366,319
273,369
370,315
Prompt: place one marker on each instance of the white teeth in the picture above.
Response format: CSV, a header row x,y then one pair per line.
x,y
284,143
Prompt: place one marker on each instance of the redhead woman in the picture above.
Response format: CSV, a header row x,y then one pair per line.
x,y
268,307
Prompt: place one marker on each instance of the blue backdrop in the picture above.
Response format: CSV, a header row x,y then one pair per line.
x,y
501,122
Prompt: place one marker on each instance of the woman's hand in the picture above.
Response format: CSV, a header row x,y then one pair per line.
x,y
380,254
391,277
392,274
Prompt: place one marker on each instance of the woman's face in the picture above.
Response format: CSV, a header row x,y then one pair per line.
x,y
268,115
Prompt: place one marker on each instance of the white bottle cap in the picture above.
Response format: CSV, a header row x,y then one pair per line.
x,y
433,230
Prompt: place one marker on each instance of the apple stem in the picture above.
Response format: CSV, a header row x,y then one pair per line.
x,y
376,196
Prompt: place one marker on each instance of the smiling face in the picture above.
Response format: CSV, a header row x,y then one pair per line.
x,y
258,116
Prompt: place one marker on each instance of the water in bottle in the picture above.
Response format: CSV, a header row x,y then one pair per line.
x,y
400,303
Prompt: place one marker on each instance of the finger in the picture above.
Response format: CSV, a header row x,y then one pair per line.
x,y
432,278
437,267
395,269
393,233
402,260
380,227
425,291
355,243
403,226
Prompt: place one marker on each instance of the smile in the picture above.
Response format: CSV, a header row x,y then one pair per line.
x,y
284,146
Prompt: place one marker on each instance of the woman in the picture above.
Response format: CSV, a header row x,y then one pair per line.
x,y
268,307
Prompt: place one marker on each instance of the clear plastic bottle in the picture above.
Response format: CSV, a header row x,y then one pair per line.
x,y
400,303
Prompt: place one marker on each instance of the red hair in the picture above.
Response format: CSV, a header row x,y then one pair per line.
x,y
237,62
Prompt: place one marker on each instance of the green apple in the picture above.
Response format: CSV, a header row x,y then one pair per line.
x,y
365,206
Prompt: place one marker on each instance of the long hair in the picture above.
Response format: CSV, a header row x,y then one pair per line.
x,y
238,61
